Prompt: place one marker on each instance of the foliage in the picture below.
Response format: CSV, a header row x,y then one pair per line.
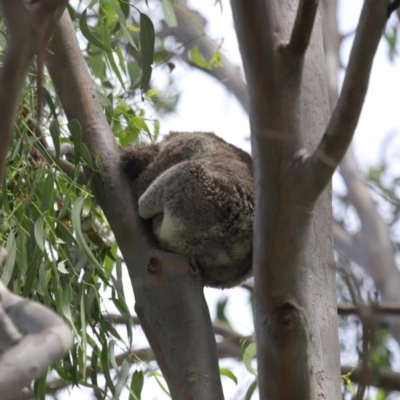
x,y
61,251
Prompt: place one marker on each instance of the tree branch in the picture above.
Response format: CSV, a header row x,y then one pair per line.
x,y
384,378
168,290
188,33
262,20
19,54
393,6
339,132
26,357
302,29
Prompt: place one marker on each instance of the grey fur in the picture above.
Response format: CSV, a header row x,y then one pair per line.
x,y
199,192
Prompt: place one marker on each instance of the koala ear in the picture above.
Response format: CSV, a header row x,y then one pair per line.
x,y
135,159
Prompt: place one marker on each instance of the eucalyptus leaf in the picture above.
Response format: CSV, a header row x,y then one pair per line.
x,y
147,38
88,34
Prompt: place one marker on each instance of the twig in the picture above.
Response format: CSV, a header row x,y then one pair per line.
x,y
345,117
383,308
383,378
51,158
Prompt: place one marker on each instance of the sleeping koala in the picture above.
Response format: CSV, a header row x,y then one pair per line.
x,y
198,191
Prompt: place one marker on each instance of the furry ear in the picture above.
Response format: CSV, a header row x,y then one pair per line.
x,y
135,159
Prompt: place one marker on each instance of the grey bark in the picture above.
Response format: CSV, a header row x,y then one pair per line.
x,y
292,240
293,265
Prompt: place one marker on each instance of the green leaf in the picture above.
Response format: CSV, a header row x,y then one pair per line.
x,y
85,154
88,34
110,56
153,92
39,232
122,377
227,372
103,99
114,67
47,193
55,135
120,59
76,133
8,268
97,64
124,7
84,337
93,366
106,38
218,2
118,10
92,4
49,100
147,38
134,72
76,224
251,390
169,13
40,388
140,123
248,355
133,28
23,240
136,385
157,377
221,306
198,59
105,365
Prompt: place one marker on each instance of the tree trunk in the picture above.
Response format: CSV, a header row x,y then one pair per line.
x,y
294,285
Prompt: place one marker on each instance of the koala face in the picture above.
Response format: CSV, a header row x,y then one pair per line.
x,y
198,191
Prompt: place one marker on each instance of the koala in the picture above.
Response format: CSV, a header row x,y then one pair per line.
x,y
198,191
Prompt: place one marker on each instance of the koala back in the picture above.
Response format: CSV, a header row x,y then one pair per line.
x,y
198,191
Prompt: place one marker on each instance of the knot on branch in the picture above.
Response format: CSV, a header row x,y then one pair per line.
x,y
154,265
192,377
287,316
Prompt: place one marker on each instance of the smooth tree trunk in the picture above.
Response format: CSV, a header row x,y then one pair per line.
x,y
294,270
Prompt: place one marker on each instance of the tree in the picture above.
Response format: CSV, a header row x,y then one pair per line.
x,y
292,241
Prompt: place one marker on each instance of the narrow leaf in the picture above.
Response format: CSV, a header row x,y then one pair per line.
x,y
76,132
227,372
76,224
147,38
46,201
136,385
251,390
122,377
39,232
88,34
169,13
55,135
11,248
